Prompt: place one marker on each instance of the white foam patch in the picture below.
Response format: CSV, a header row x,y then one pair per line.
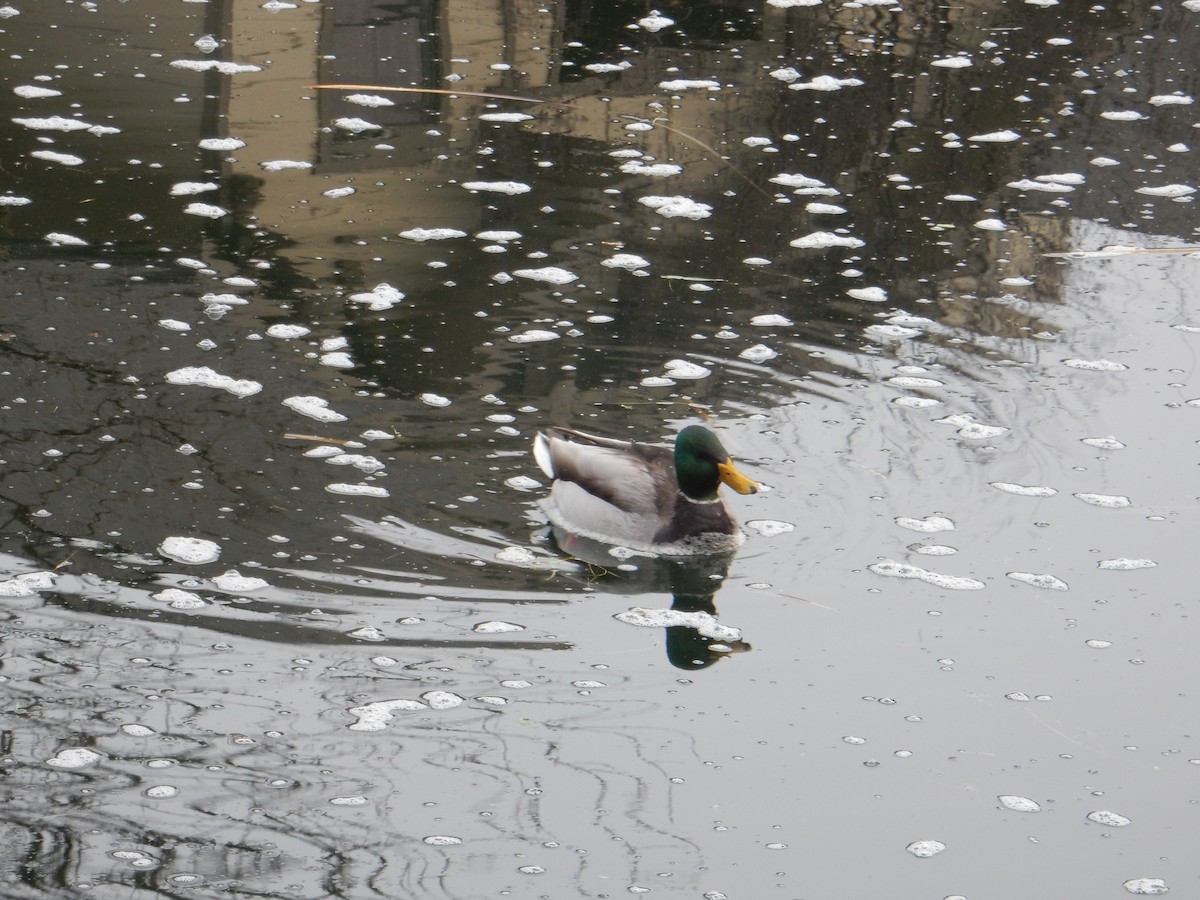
x,y
1045,582
363,463
893,569
372,101
523,483
338,193
869,294
995,137
287,332
1103,443
1049,187
916,402
355,125
991,225
655,22
63,159
1019,804
52,123
1146,886
376,716
505,117
279,165
1122,115
12,200
925,849
224,145
214,65
1073,178
953,62
435,400
770,320
932,549
357,490
180,599
825,83
628,261
653,170
442,699
792,4
382,296
33,92
547,274
1125,564
1108,818
677,207
796,181
758,353
1023,490
970,429
1170,100
1167,190
927,525
237,583
534,336
432,234
60,239
608,68
498,187
702,622
206,377
1107,501
496,627
314,407
499,237
690,84
890,332
770,527
190,550
206,210
825,240
441,840
189,188
73,758
685,370
26,585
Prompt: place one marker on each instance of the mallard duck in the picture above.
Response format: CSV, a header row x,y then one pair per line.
x,y
642,496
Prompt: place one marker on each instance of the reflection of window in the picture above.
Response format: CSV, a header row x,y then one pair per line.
x,y
384,43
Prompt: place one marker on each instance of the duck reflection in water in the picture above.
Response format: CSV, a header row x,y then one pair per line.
x,y
663,505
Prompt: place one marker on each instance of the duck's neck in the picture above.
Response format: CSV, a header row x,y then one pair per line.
x,y
697,478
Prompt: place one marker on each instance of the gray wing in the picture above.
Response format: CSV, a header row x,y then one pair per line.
x,y
633,477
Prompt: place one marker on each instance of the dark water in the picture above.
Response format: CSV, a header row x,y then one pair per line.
x,y
962,613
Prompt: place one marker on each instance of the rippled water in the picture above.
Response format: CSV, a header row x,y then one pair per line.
x,y
281,614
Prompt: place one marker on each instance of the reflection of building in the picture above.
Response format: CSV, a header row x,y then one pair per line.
x,y
409,171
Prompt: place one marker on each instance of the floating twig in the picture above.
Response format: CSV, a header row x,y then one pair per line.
x,y
318,439
1118,250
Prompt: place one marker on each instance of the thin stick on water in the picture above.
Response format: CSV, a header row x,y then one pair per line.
x,y
1113,251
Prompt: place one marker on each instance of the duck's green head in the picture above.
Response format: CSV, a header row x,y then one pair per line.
x,y
701,465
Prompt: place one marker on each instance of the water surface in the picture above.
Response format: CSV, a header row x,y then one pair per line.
x,y
282,616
